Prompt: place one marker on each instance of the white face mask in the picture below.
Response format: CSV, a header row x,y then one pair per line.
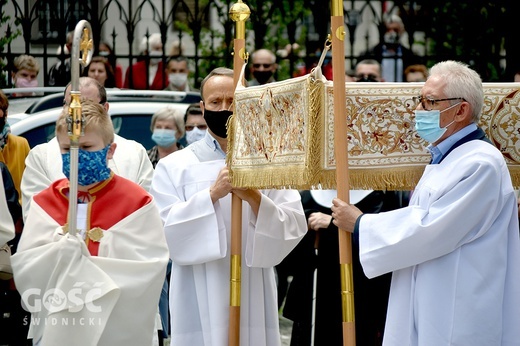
x,y
178,79
195,135
155,57
391,37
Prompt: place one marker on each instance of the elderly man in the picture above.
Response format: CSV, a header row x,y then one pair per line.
x,y
193,192
43,164
149,73
263,67
454,251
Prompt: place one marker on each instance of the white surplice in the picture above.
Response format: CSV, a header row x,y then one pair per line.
x,y
198,236
454,254
110,299
43,166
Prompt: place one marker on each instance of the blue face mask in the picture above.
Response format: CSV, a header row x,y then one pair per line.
x,y
164,137
92,166
427,124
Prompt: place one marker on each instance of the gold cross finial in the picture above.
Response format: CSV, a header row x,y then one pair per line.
x,y
85,45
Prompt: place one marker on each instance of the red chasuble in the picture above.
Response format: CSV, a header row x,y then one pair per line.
x,y
110,201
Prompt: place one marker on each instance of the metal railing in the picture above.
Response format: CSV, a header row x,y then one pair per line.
x,y
204,32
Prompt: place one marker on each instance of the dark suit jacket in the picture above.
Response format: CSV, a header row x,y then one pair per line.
x,y
370,297
376,53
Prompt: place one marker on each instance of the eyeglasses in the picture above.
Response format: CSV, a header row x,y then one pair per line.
x,y
367,77
191,127
424,101
263,65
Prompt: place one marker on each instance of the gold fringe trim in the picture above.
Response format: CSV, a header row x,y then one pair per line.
x,y
399,178
396,178
514,171
310,174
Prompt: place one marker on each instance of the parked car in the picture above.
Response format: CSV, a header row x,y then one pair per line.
x,y
130,110
21,99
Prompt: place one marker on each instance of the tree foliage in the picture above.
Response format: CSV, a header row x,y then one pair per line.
x,y
476,32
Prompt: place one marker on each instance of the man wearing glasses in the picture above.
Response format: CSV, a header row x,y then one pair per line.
x,y
195,124
454,252
263,67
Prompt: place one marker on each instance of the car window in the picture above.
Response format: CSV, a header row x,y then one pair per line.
x,y
39,135
136,127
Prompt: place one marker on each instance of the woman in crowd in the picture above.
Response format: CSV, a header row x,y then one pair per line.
x,y
25,73
167,126
101,70
106,51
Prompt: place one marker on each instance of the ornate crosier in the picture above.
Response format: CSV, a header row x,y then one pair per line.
x,y
81,44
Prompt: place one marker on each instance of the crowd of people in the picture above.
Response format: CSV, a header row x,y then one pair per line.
x,y
152,231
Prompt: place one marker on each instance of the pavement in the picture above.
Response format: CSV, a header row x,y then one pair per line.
x,y
285,332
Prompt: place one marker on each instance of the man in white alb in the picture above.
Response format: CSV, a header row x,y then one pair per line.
x,y
193,193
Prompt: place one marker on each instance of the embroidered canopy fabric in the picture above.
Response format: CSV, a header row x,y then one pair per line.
x,y
282,134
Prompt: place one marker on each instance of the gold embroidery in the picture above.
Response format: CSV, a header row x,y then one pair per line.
x,y
282,134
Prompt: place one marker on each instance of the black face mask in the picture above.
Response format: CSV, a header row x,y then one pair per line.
x,y
367,78
262,76
2,123
217,121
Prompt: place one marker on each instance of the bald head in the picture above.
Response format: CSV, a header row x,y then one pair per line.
x,y
263,55
90,89
263,65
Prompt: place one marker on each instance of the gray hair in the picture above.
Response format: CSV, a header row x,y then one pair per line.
x,y
26,62
394,18
169,113
155,39
461,81
219,71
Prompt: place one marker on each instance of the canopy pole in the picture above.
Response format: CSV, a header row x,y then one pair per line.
x,y
342,179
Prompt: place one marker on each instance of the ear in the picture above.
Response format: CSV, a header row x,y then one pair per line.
x,y
464,112
106,106
201,103
111,151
